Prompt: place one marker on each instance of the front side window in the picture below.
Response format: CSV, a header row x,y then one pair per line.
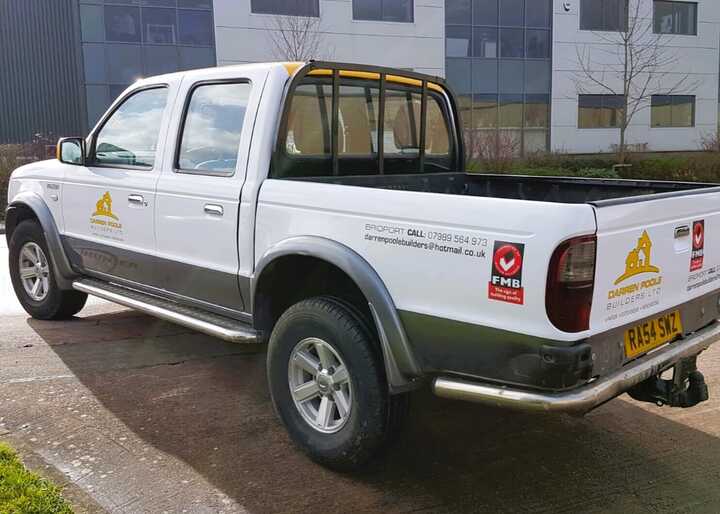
x,y
672,111
675,18
310,8
383,10
600,111
212,128
129,137
604,15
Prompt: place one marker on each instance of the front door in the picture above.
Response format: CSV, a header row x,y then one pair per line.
x,y
108,205
198,193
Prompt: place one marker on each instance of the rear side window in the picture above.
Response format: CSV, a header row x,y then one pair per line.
x,y
305,147
129,136
308,121
212,128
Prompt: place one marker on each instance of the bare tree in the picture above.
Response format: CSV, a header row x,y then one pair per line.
x,y
296,38
637,64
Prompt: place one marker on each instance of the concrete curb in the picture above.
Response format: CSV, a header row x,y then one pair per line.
x,y
82,503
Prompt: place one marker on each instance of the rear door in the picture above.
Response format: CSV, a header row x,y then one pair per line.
x,y
108,205
654,255
198,193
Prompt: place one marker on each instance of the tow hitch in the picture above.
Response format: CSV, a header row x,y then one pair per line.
x,y
686,389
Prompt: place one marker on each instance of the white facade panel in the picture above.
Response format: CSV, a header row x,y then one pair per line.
x,y
694,57
242,36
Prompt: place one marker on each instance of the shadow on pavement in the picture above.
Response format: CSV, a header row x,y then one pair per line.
x,y
206,402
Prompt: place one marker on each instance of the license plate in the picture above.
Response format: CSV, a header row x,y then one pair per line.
x,y
652,333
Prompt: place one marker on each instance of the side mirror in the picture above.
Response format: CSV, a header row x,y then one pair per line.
x,y
71,150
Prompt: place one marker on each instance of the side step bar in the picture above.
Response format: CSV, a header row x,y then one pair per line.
x,y
196,319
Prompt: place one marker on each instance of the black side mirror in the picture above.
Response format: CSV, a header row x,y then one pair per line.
x,y
71,150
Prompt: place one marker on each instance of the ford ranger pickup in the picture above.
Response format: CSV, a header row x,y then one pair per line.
x,y
324,209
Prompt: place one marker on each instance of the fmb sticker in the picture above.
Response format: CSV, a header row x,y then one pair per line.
x,y
698,245
506,274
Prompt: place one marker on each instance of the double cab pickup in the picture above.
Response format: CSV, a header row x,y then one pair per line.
x,y
325,209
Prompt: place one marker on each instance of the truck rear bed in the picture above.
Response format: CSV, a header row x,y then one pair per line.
x,y
520,187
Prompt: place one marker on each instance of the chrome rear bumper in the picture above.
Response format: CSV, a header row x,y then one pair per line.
x,y
584,398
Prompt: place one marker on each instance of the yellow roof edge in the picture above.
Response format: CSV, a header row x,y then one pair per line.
x,y
292,67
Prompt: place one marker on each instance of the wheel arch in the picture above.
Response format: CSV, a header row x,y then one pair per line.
x,y
29,205
400,364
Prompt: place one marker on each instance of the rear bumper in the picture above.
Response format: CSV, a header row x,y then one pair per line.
x,y
585,398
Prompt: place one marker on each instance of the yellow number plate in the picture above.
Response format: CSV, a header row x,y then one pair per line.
x,y
651,334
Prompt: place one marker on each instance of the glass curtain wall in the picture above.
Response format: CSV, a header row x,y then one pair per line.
x,y
123,40
498,61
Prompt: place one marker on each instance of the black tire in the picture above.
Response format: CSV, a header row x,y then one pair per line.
x,y
57,303
374,416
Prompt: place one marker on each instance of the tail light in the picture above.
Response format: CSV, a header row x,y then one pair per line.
x,y
570,282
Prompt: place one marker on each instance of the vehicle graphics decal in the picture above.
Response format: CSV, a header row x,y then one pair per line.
x,y
506,273
638,260
698,245
702,273
630,298
426,239
103,221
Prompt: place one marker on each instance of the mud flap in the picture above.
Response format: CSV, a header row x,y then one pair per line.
x,y
687,387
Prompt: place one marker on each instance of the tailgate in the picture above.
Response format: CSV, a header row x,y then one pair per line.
x,y
654,253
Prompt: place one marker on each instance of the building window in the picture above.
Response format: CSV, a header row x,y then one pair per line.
x,y
383,10
604,15
675,18
458,41
498,57
122,24
196,27
672,111
485,42
159,26
600,111
310,8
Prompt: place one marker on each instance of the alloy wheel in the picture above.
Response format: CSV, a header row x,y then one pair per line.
x,y
34,271
320,385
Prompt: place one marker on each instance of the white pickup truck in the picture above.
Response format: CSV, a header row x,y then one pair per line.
x,y
324,208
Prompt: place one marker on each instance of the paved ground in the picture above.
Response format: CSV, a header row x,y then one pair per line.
x,y
142,416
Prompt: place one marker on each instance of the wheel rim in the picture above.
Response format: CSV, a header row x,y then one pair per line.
x,y
320,385
34,271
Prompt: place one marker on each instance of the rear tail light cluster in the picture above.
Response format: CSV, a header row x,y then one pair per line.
x,y
571,277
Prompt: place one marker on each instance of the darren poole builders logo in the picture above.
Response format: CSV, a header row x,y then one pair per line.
x,y
637,293
103,220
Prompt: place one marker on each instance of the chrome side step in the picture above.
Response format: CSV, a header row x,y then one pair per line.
x,y
196,319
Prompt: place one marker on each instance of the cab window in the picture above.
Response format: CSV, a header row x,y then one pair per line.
x,y
212,128
129,136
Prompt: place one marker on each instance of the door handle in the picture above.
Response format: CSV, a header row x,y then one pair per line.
x,y
137,199
216,210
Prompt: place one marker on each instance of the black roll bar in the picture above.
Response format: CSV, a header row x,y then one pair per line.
x,y
335,68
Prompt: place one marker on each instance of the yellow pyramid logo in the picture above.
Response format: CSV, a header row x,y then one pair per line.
x,y
638,260
103,207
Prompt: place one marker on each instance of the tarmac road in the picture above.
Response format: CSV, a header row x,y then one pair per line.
x,y
135,415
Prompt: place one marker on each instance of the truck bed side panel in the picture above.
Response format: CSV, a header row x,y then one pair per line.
x,y
433,251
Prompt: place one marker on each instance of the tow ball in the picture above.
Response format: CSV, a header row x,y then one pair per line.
x,y
686,389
